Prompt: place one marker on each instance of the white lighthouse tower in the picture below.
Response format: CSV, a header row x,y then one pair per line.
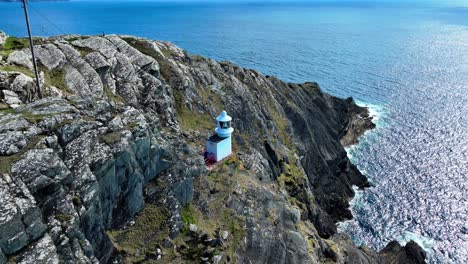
x,y
219,146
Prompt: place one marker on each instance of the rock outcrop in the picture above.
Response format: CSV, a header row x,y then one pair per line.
x,y
107,166
3,37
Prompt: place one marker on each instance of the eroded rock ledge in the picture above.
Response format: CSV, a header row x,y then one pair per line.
x,y
107,166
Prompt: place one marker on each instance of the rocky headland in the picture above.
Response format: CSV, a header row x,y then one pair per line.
x,y
107,166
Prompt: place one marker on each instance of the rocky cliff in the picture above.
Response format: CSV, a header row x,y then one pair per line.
x,y
107,166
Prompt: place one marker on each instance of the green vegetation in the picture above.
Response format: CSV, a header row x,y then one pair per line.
x,y
8,111
3,106
293,176
31,117
83,50
196,58
218,220
138,243
144,237
76,38
218,186
15,68
307,229
35,118
131,126
13,44
111,138
143,47
63,218
209,97
293,181
189,215
191,120
65,122
7,161
56,78
147,49
112,96
166,52
281,126
12,260
76,200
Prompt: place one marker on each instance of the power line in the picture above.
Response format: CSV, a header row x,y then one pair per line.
x,y
31,45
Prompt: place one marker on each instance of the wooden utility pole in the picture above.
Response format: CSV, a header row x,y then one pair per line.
x,y
32,49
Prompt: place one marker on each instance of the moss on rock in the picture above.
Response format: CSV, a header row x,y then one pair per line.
x,y
143,238
7,161
111,138
56,77
16,68
12,44
191,120
112,96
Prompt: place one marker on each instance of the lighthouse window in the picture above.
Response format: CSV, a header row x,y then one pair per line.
x,y
225,125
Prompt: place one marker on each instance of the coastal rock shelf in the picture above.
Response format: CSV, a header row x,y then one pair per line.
x,y
108,165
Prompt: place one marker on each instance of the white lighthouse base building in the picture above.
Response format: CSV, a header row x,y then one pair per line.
x,y
219,147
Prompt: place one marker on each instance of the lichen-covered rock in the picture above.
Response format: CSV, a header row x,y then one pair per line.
x,y
25,87
42,171
41,252
49,56
20,220
21,58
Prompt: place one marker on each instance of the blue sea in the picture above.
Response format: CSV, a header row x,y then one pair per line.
x,y
406,60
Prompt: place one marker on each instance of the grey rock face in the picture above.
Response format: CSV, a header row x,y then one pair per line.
x,y
41,169
135,57
2,257
49,56
267,243
41,252
20,221
122,124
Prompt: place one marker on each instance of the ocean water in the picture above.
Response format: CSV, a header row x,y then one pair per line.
x,y
406,60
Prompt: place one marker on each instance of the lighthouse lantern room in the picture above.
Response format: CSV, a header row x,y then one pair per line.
x,y
219,145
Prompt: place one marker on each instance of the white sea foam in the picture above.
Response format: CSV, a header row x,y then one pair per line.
x,y
425,243
375,111
357,196
358,193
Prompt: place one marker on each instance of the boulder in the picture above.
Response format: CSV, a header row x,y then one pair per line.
x,y
21,58
49,56
11,98
25,87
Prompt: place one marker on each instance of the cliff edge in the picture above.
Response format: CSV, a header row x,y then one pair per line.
x,y
107,166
